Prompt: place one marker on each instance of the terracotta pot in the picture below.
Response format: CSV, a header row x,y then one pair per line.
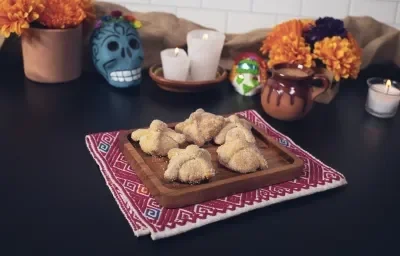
x,y
156,73
288,95
52,55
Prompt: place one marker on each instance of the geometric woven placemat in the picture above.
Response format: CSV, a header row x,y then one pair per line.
x,y
146,216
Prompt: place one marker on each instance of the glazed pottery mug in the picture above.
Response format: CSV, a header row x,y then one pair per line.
x,y
288,94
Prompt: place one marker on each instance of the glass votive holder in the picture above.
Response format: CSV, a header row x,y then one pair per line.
x,y
383,97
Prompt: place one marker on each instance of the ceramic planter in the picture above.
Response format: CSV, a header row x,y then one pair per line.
x,y
52,55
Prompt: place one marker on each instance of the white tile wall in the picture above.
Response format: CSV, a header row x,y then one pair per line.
x,y
238,21
150,8
181,3
237,5
237,16
208,18
277,6
381,10
334,8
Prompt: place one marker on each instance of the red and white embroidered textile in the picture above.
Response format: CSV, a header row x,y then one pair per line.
x,y
145,216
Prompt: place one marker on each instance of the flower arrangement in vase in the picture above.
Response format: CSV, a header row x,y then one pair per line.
x,y
51,35
323,45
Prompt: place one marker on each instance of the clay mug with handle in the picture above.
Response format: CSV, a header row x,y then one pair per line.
x,y
288,94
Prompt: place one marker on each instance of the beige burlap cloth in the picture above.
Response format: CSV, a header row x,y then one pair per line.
x,y
380,42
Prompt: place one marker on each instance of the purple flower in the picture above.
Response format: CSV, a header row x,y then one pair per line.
x,y
325,27
98,24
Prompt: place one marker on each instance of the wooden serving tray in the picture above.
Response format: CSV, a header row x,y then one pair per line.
x,y
283,166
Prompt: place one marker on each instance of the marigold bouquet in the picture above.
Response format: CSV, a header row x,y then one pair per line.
x,y
18,15
324,42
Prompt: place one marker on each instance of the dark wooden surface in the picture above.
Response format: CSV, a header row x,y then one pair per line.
x,y
282,166
55,201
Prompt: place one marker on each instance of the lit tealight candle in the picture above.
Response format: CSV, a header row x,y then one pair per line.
x,y
175,63
383,97
204,49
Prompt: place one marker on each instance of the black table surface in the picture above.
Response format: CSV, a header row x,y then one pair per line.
x,y
57,203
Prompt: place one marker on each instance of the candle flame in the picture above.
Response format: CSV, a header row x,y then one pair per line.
x,y
176,51
205,36
388,84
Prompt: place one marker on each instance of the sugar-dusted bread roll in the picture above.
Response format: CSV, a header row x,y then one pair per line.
x,y
158,139
241,156
234,127
191,165
201,127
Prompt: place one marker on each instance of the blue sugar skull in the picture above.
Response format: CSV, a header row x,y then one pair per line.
x,y
117,50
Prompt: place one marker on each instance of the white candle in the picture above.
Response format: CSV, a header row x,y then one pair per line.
x,y
204,48
175,63
383,100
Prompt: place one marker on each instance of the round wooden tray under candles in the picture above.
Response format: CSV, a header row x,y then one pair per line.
x,y
156,73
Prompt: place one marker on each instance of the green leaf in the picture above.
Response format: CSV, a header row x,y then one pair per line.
x,y
239,79
247,71
247,88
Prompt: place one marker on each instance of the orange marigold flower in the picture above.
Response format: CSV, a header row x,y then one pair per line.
x,y
296,27
88,8
307,24
291,49
62,14
16,15
342,56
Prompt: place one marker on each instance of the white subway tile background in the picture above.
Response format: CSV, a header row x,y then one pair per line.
x,y
238,16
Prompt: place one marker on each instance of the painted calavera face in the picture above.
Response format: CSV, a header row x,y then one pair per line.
x,y
248,74
117,52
